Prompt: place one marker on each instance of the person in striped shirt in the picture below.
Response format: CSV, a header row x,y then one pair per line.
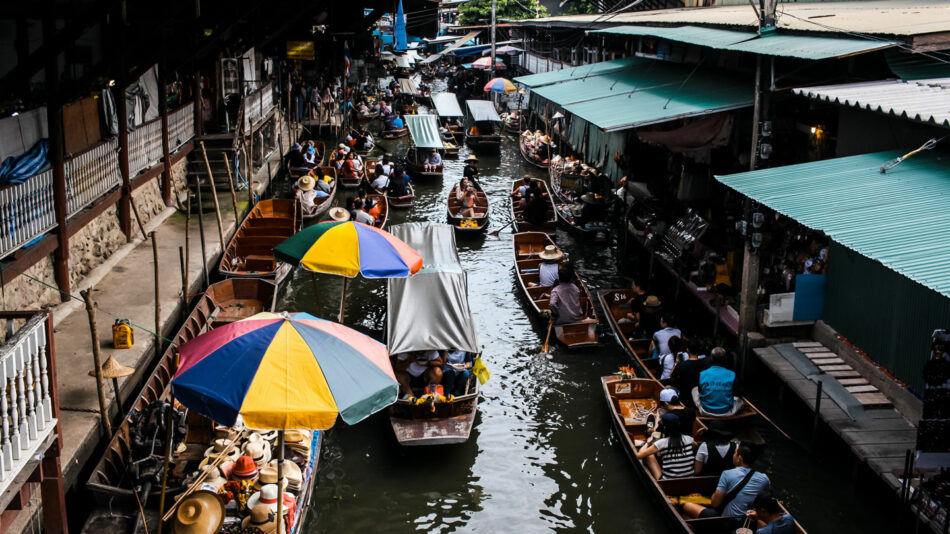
x,y
670,455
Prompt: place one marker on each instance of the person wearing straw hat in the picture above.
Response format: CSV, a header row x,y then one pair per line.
x,y
307,194
199,513
471,170
594,209
262,518
548,268
338,214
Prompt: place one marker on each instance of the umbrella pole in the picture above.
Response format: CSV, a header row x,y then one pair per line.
x,y
281,529
343,298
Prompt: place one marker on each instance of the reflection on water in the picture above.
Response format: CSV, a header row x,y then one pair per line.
x,y
541,456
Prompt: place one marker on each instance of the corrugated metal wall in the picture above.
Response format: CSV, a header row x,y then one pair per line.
x,y
885,314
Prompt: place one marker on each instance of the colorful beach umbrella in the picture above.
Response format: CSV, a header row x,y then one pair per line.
x,y
283,371
500,85
484,63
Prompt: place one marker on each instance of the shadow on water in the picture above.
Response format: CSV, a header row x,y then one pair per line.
x,y
542,456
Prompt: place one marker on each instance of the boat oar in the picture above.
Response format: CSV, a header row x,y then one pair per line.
x,y
498,231
547,338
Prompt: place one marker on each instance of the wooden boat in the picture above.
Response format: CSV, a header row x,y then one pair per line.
x,y
450,150
352,183
394,134
481,142
222,303
323,204
365,151
540,162
368,117
517,212
527,246
628,399
321,152
512,125
468,224
383,202
250,253
415,161
402,202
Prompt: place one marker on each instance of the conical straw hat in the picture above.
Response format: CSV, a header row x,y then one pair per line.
x,y
113,369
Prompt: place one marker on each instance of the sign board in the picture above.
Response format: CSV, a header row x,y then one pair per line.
x,y
300,50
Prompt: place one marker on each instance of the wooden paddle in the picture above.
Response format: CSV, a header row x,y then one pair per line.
x,y
547,338
498,231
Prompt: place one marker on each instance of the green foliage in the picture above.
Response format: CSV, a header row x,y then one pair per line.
x,y
479,11
579,7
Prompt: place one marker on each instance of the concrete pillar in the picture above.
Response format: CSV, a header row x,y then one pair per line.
x,y
125,201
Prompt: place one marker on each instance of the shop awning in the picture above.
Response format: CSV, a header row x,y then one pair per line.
x,y
645,92
576,73
424,130
926,101
407,86
458,42
776,43
403,62
482,110
474,49
899,218
447,105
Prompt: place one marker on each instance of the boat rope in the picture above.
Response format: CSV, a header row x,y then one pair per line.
x,y
4,266
898,160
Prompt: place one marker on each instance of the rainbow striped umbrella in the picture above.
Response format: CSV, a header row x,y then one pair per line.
x,y
500,85
484,63
280,371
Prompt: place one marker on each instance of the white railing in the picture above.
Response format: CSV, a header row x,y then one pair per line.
x,y
535,63
92,174
181,126
26,405
145,146
26,211
257,105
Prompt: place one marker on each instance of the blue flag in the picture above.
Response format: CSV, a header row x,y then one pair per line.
x,y
401,44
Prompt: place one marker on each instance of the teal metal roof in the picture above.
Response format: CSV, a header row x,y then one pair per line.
x,y
775,43
424,130
899,219
447,105
575,73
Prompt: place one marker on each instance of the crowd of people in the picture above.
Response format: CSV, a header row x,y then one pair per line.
x,y
426,372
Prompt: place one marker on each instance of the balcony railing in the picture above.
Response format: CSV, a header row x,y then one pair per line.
x,y
26,211
181,126
145,146
91,174
26,400
257,105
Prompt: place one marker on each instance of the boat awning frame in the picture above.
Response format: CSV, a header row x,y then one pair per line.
x,y
458,42
775,43
898,218
447,105
424,130
482,110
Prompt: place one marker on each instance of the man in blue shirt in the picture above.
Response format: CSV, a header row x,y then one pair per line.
x,y
737,488
715,395
397,123
772,519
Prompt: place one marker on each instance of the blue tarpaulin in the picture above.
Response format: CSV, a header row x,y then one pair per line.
x,y
400,31
16,169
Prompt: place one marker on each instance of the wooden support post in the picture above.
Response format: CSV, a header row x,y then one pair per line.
x,y
214,196
97,361
184,278
124,208
817,419
166,458
163,112
250,181
52,488
199,126
158,302
237,215
187,249
54,120
201,235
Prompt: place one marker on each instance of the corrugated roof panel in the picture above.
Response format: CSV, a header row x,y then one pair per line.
x,y
898,218
447,105
482,110
926,101
697,35
574,73
424,130
643,74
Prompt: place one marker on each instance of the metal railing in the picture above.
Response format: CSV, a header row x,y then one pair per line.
x,y
92,174
181,126
145,146
26,400
26,211
257,105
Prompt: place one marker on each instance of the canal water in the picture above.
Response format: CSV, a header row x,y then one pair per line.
x,y
542,456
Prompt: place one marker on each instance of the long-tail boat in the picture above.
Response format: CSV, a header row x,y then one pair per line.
x,y
549,226
462,223
250,254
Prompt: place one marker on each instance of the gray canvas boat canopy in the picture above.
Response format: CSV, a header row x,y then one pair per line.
x,y
429,311
447,105
424,130
407,86
482,110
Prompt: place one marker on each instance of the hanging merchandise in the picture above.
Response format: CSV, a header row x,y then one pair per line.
x,y
123,337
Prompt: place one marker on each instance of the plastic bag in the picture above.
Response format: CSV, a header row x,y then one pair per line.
x,y
481,371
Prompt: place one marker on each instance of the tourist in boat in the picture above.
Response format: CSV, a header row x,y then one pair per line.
x,y
715,453
399,186
310,157
769,516
323,182
468,198
670,403
338,214
455,372
374,208
548,269
471,170
715,396
669,456
667,330
361,215
351,168
381,182
388,167
736,490
670,359
307,194
398,123
338,162
433,162
418,370
295,159
565,303
685,376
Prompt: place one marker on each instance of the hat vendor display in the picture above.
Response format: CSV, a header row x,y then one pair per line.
x,y
263,518
244,469
199,513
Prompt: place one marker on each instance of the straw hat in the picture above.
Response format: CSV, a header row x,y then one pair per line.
x,y
591,198
305,182
258,450
225,432
339,214
267,496
471,157
216,449
113,369
268,475
244,469
200,513
652,302
551,253
292,473
263,518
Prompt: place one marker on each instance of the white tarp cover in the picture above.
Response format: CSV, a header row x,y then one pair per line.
x,y
403,62
430,311
424,130
407,86
482,110
447,105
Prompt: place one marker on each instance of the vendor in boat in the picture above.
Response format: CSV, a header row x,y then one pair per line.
x,y
535,204
433,162
548,269
668,454
638,295
565,304
716,394
770,517
737,488
418,370
455,372
594,209
307,194
375,209
471,169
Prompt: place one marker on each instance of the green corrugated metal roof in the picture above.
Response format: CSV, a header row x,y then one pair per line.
x,y
899,219
774,43
641,75
574,73
424,130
